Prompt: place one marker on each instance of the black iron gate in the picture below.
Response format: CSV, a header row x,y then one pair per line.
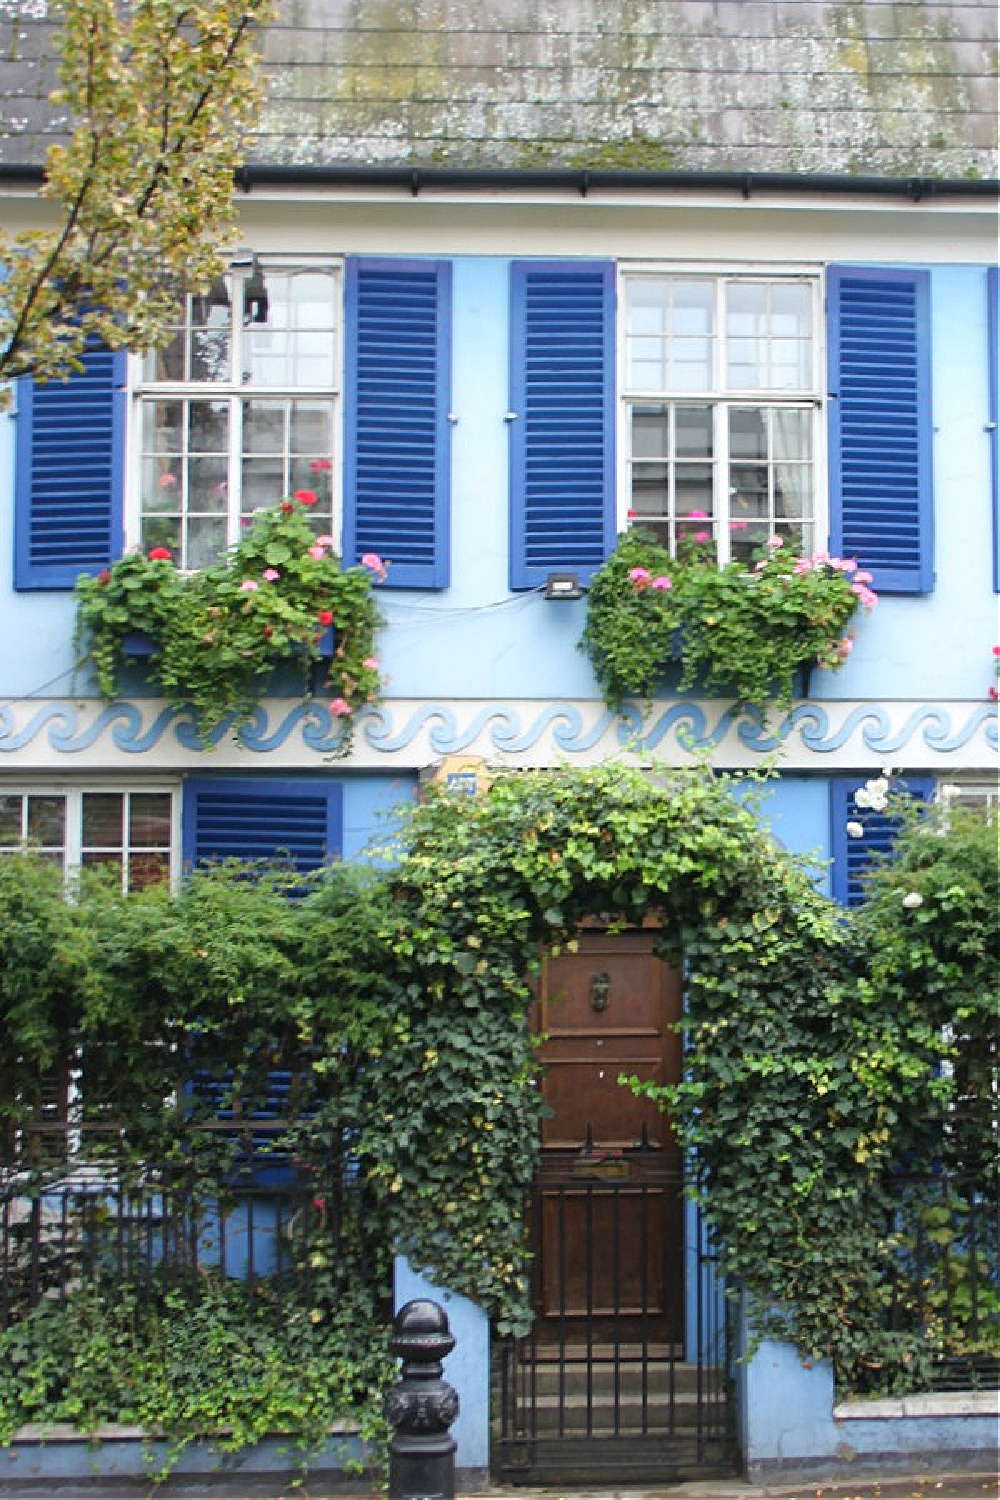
x,y
627,1372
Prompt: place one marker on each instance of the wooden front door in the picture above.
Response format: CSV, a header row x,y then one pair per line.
x,y
610,1218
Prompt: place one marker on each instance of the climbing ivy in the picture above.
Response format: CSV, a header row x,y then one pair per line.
x,y
401,995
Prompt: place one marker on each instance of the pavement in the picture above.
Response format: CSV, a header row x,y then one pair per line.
x,y
927,1486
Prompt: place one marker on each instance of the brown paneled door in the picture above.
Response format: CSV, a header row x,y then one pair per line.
x,y
609,1206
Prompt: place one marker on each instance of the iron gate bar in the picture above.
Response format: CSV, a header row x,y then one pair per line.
x,y
609,1389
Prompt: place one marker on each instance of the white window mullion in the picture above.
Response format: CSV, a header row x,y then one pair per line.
x,y
721,482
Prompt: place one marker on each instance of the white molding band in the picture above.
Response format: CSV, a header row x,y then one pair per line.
x,y
64,734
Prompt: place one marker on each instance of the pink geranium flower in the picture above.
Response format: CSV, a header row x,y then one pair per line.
x,y
249,586
697,515
325,541
370,663
270,575
340,708
317,552
640,577
702,536
662,583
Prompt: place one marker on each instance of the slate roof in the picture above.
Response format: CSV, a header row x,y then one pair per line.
x,y
886,88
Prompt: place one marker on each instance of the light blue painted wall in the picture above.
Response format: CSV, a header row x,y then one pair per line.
x,y
796,809
787,1424
467,1367
476,639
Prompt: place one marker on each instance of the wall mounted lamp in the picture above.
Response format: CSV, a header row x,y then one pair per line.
x,y
563,586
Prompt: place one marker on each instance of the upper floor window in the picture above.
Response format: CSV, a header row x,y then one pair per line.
x,y
84,827
238,409
721,399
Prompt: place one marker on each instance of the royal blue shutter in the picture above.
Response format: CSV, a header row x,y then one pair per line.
x,y
880,424
562,422
852,856
261,818
397,466
69,473
993,376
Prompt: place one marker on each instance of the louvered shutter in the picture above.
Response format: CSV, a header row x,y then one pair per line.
x,y
397,438
880,424
993,387
70,443
261,819
562,514
852,856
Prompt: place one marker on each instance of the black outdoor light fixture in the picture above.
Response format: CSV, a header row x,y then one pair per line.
x,y
254,288
563,586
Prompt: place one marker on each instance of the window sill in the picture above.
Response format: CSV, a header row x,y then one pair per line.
x,y
927,1404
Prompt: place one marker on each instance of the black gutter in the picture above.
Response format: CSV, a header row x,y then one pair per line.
x,y
582,180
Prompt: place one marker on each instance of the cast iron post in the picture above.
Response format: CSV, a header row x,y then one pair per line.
x,y
422,1406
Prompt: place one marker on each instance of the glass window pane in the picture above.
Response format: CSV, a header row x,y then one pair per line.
x,y
147,869
162,531
162,426
791,310
206,541
650,432
748,491
102,820
263,427
166,363
792,489
694,489
650,490
791,433
208,485
208,426
263,483
692,308
693,431
161,489
149,819
11,805
747,433
47,821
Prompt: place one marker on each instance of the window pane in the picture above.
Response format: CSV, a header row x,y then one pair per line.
x,y
670,327
263,427
47,821
146,869
206,541
792,489
748,491
792,433
10,818
162,426
747,433
102,820
263,483
693,432
650,490
694,489
650,432
149,819
208,485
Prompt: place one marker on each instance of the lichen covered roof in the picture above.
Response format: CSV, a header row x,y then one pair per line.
x,y
893,88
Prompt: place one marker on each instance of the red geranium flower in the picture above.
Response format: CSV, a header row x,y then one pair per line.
x,y
287,507
160,554
325,617
306,497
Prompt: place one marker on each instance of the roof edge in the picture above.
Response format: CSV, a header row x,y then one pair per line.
x,y
579,180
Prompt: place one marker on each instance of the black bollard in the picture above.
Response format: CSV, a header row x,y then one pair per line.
x,y
422,1406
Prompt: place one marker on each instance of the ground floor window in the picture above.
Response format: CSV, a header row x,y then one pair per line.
x,y
85,826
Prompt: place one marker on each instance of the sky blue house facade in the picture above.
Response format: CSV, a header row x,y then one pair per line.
x,y
488,339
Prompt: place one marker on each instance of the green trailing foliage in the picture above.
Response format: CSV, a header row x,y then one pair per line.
x,y
216,637
400,998
739,631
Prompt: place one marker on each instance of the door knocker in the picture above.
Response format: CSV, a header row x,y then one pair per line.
x,y
600,991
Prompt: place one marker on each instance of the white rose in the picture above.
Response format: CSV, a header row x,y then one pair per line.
x,y
912,900
855,830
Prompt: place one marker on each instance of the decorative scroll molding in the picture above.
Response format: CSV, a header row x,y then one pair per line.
x,y
285,734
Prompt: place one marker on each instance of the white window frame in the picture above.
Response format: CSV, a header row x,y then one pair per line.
x,y
73,793
718,397
142,390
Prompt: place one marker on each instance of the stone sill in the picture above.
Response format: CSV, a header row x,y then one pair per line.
x,y
119,1432
929,1404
